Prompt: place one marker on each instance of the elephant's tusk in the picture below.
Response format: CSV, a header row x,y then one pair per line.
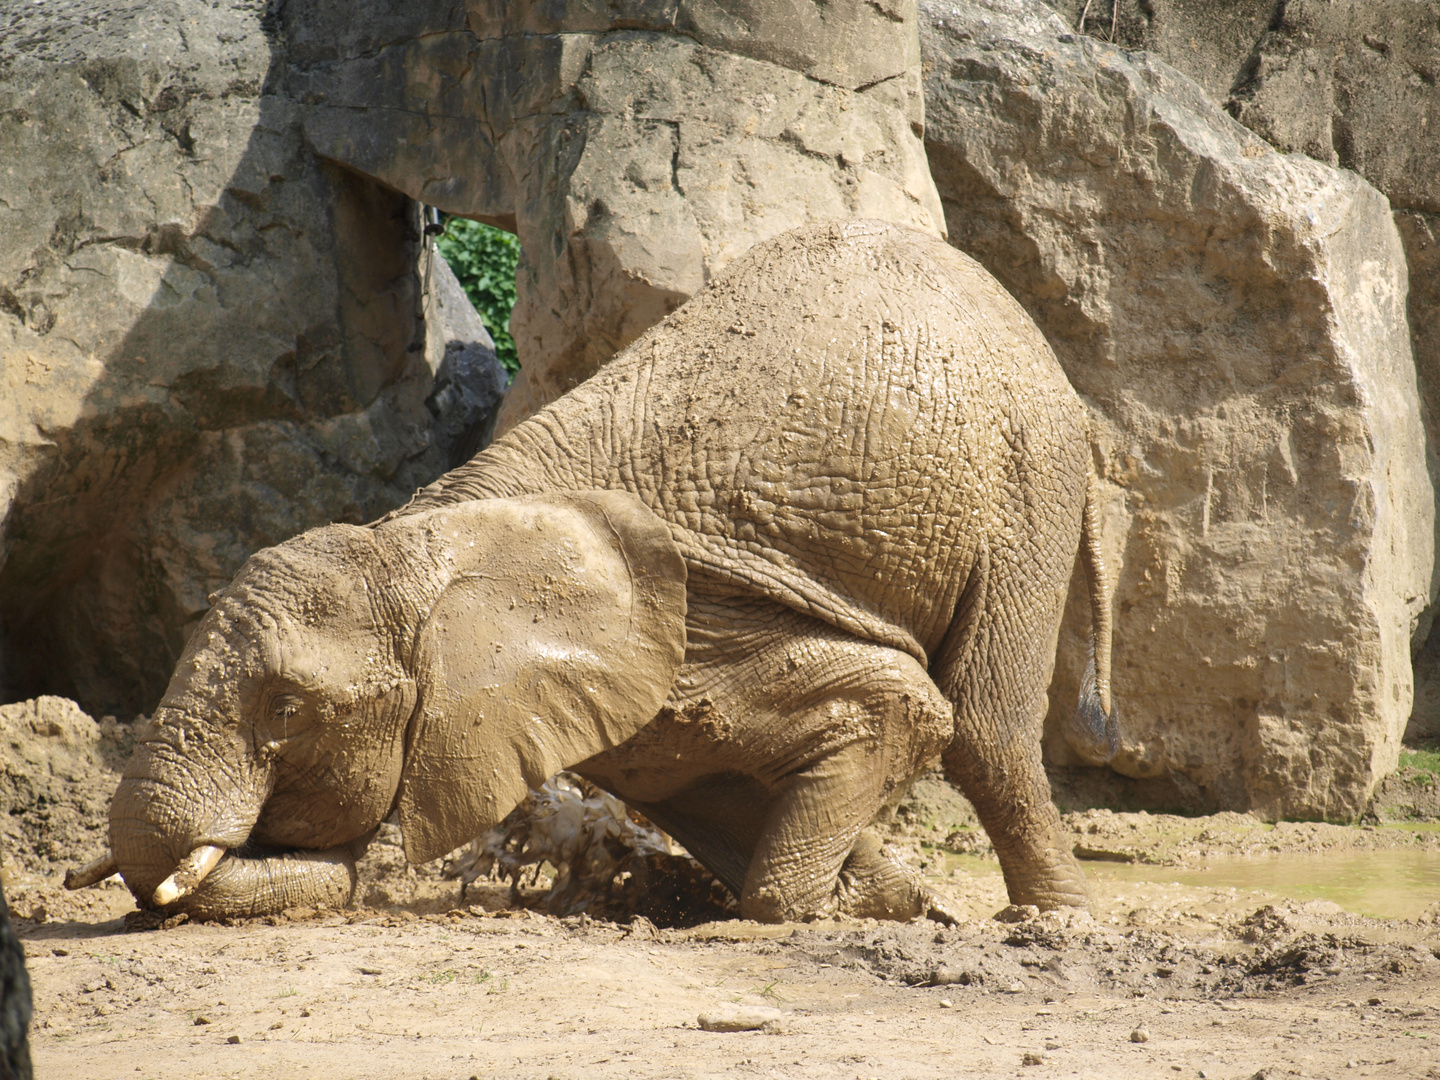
x,y
92,873
188,875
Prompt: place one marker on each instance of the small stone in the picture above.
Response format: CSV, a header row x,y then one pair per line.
x,y
1375,1001
1017,913
946,1003
202,1019
277,1025
1139,1035
944,976
1052,1046
1032,1058
304,1012
1015,987
59,952
1352,1064
739,1018
233,1040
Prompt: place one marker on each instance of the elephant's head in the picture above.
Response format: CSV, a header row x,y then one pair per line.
x,y
436,665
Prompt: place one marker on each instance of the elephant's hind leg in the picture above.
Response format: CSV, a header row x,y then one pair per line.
x,y
996,667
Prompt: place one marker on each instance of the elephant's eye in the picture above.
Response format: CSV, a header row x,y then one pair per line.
x,y
285,712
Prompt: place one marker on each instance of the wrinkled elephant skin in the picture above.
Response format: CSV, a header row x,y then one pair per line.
x,y
806,536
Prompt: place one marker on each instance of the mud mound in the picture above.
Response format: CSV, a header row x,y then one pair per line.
x,y
58,769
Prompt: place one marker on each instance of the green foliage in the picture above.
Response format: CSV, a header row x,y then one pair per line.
x,y
484,260
1425,757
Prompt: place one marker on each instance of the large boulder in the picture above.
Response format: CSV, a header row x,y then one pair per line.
x,y
210,338
1235,317
635,149
1350,83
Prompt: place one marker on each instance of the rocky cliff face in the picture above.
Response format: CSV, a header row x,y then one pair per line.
x,y
212,339
635,149
1235,317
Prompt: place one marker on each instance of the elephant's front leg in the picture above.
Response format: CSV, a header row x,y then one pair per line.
x,y
781,739
816,857
880,717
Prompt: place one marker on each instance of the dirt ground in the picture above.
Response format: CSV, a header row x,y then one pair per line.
x,y
1171,976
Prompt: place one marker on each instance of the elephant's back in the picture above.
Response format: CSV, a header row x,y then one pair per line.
x,y
838,421
842,417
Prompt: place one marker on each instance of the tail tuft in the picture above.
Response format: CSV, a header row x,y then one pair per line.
x,y
1092,733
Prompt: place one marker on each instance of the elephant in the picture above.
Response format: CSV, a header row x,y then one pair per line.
x,y
802,540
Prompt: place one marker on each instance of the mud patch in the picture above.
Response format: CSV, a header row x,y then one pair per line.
x,y
58,769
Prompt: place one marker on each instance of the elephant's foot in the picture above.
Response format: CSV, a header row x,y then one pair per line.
x,y
1056,894
874,886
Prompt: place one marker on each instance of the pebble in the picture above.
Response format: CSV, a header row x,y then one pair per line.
x,y
741,1018
201,1020
233,1040
1139,1035
946,1003
1032,1059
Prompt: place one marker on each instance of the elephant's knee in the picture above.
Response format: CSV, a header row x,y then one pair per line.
x,y
763,904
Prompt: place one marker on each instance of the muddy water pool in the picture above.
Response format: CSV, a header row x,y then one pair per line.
x,y
1381,884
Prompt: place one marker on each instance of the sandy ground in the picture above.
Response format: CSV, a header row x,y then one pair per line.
x,y
1175,986
1164,980
1191,965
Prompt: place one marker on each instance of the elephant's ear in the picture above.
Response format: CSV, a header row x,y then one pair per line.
x,y
558,636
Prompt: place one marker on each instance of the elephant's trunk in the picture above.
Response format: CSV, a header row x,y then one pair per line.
x,y
169,805
249,886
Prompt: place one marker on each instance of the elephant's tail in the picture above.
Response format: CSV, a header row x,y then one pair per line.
x,y
1094,731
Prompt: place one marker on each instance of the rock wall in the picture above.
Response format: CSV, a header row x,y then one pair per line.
x,y
635,149
210,338
1235,317
1350,83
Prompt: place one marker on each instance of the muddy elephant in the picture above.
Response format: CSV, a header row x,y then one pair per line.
x,y
807,536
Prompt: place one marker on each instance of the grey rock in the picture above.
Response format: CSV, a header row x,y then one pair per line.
x,y
1235,318
469,381
634,150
